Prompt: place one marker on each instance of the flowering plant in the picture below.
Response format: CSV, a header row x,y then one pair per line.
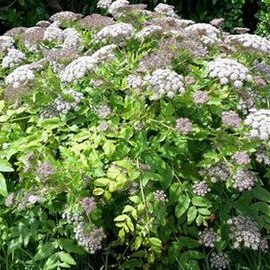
x,y
138,140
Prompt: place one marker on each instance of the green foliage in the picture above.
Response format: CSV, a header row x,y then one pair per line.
x,y
264,19
134,162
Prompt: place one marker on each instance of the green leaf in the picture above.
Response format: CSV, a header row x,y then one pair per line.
x,y
102,182
200,201
3,185
121,218
261,194
191,214
182,206
98,191
44,251
175,192
109,148
5,166
66,258
204,211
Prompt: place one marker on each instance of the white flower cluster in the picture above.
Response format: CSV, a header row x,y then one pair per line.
x,y
251,42
259,122
105,53
77,68
207,33
104,4
53,33
65,16
117,33
116,5
32,36
72,38
164,82
6,43
148,31
20,76
165,9
228,70
13,58
134,81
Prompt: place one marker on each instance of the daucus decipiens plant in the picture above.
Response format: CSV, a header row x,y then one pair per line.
x,y
136,140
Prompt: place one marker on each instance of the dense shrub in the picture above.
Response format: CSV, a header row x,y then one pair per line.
x,y
264,19
138,141
234,12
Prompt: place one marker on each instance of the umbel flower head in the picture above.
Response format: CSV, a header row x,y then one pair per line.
x,y
244,232
89,239
259,123
164,82
244,180
184,126
208,237
201,188
241,158
251,42
231,119
219,261
229,70
117,33
20,76
13,58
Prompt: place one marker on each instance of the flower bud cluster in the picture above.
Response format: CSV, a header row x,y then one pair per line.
x,y
247,101
229,70
89,204
262,67
244,180
148,32
105,53
78,68
33,36
208,237
15,32
53,33
184,126
241,158
134,81
65,16
204,32
96,21
219,172
62,106
262,156
104,111
219,261
105,4
89,239
251,42
161,196
116,6
164,82
117,33
200,97
6,43
259,123
165,9
13,58
201,188
231,119
72,38
20,76
45,170
244,232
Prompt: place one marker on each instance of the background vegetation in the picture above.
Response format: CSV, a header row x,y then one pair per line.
x,y
235,12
